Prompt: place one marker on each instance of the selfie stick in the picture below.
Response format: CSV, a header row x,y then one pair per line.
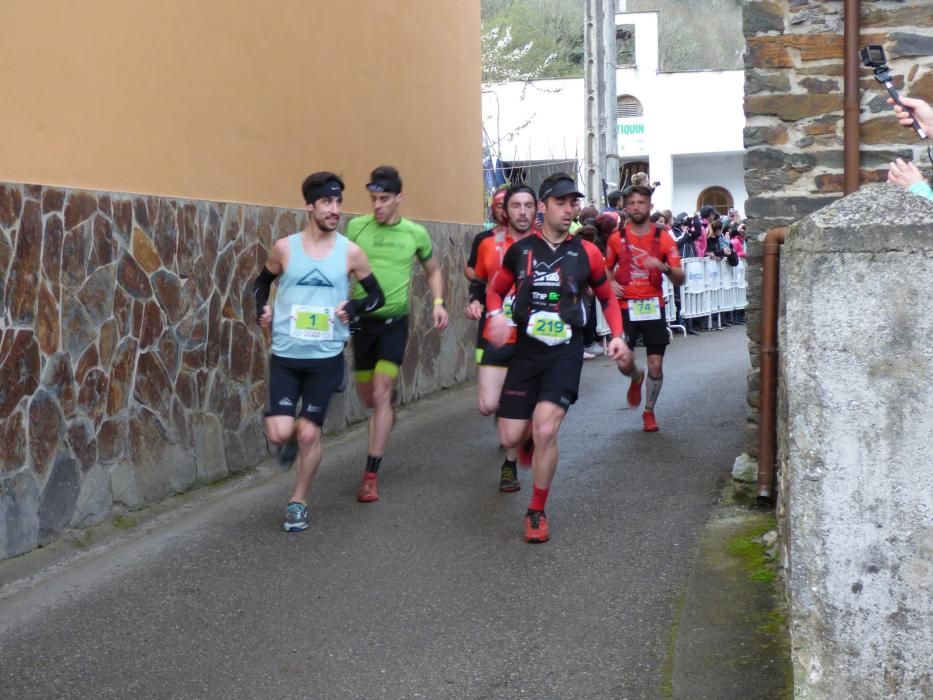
x,y
883,77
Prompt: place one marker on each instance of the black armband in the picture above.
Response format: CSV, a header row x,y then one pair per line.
x,y
373,300
478,291
261,288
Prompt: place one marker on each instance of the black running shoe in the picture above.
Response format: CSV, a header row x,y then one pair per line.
x,y
508,480
288,452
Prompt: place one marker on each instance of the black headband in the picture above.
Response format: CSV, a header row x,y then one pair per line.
x,y
330,188
385,184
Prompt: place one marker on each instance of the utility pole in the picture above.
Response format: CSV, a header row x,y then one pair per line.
x,y
600,87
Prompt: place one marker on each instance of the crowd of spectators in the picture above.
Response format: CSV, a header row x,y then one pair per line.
x,y
704,234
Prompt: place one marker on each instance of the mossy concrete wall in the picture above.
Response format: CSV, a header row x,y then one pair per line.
x,y
857,420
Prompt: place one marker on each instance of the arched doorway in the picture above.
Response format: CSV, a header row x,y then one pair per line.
x,y
719,198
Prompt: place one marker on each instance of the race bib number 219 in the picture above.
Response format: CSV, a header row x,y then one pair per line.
x,y
548,328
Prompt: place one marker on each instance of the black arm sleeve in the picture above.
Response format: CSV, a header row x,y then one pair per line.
x,y
261,288
478,291
373,300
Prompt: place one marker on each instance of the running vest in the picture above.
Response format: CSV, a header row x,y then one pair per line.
x,y
552,281
624,270
304,325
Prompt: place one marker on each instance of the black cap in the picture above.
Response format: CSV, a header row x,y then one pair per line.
x,y
559,188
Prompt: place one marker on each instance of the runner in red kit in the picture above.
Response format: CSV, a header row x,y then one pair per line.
x,y
520,205
637,257
550,272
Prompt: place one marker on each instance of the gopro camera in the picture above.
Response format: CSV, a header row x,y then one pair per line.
x,y
873,57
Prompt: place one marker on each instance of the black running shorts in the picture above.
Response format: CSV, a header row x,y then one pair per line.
x,y
310,382
654,333
379,339
542,373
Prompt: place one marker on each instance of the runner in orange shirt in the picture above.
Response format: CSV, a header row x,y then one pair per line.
x,y
638,255
520,205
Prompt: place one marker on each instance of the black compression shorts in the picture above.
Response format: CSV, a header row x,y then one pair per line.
x,y
541,374
379,339
654,333
491,356
310,382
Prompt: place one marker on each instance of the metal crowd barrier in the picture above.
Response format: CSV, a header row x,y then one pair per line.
x,y
712,286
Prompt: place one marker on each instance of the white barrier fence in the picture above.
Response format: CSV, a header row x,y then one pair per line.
x,y
712,286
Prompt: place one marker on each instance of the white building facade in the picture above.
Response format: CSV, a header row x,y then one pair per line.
x,y
684,129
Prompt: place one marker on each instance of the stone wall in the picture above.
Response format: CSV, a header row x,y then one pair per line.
x,y
131,365
857,415
794,110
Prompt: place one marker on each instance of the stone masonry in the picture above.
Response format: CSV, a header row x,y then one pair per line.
x,y
131,364
794,111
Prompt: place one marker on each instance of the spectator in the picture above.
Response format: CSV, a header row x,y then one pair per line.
x,y
902,173
577,209
738,240
683,234
614,199
607,223
907,175
915,109
717,246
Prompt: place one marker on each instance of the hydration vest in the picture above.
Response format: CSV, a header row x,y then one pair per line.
x,y
574,272
623,274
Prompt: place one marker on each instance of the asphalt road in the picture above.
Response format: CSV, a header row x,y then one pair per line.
x,y
429,593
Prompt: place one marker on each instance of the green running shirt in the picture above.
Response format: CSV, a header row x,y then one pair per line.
x,y
391,250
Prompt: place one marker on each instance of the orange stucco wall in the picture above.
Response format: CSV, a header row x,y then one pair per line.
x,y
238,100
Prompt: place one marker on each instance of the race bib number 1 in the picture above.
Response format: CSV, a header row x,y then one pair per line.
x,y
644,309
546,327
312,322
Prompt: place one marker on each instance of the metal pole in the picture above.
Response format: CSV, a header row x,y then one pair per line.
x,y
611,167
595,88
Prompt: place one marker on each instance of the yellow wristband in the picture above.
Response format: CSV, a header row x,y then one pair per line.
x,y
438,301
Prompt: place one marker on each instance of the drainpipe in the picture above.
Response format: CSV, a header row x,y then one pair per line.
x,y
767,410
850,134
767,393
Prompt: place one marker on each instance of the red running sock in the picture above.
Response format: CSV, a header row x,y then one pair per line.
x,y
538,498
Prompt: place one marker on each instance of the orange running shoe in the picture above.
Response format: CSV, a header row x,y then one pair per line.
x,y
368,492
651,425
526,453
536,529
634,390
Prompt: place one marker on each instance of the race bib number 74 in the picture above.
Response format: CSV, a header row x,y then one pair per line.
x,y
644,309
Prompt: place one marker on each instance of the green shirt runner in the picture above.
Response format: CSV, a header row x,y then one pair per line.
x,y
391,250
